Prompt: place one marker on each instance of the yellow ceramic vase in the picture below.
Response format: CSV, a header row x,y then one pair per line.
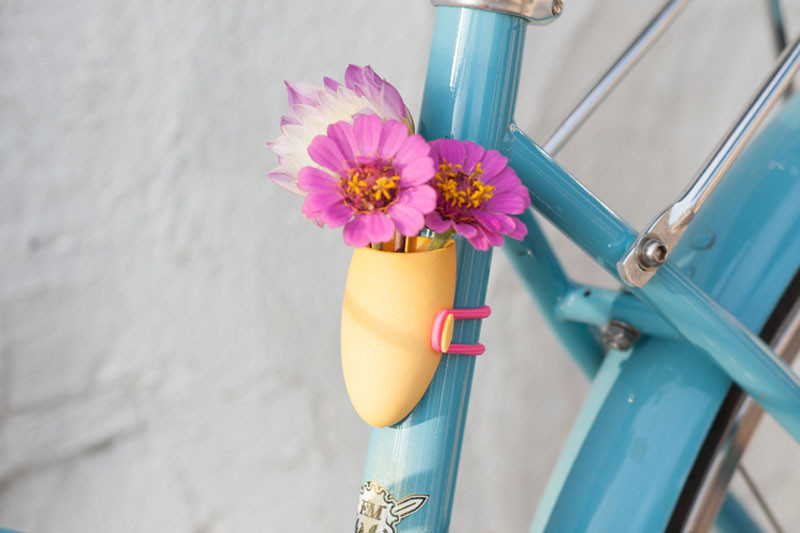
x,y
390,303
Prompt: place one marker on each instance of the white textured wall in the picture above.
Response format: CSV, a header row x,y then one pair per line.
x,y
168,319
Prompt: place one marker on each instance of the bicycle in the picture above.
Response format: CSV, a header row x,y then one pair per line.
x,y
652,476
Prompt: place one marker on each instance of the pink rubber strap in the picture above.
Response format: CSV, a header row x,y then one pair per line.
x,y
438,325
476,312
467,349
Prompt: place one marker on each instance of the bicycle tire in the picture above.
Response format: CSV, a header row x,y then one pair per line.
x,y
704,491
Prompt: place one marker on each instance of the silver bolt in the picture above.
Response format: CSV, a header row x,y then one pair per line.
x,y
652,253
619,335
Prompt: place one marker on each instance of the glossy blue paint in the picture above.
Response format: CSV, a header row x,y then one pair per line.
x,y
623,468
596,305
569,205
740,353
540,271
420,455
630,452
686,307
602,384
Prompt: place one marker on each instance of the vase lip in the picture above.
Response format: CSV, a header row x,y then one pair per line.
x,y
449,244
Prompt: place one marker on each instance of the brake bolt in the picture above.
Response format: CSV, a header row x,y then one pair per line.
x,y
652,253
619,335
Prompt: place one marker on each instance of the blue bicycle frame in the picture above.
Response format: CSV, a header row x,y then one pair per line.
x,y
649,408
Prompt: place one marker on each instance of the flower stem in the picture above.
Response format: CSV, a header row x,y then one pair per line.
x,y
399,242
440,239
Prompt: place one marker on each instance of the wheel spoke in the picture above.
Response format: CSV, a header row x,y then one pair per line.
x,y
759,498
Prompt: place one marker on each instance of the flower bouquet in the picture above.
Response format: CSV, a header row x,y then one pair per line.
x,y
351,150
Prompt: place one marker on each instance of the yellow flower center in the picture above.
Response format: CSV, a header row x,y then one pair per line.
x,y
370,186
461,191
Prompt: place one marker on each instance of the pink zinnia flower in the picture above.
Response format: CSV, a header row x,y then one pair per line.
x,y
313,108
476,193
374,178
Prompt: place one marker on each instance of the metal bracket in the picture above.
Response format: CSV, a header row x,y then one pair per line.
x,y
536,11
651,249
653,246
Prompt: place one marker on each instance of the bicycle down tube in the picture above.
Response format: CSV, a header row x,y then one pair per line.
x,y
624,456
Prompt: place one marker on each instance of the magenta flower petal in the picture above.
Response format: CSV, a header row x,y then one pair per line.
x,y
317,201
284,181
302,93
355,233
342,134
466,230
393,100
476,194
423,198
508,203
452,151
335,215
312,179
489,221
313,108
408,220
492,163
331,84
367,228
392,137
504,179
367,192
417,172
285,120
434,147
365,82
479,239
381,227
438,224
311,214
473,156
325,152
495,239
370,83
354,79
412,148
519,231
368,133
505,223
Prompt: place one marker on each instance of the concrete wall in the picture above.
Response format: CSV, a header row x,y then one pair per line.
x,y
160,365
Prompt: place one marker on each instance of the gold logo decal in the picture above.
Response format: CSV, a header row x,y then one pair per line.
x,y
380,512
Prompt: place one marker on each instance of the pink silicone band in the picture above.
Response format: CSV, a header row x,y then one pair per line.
x,y
436,332
467,349
476,312
463,314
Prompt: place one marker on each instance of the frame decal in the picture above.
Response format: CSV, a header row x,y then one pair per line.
x,y
380,512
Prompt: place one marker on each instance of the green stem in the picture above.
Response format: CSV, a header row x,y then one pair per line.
x,y
440,239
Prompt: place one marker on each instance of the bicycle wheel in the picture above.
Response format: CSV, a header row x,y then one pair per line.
x,y
737,419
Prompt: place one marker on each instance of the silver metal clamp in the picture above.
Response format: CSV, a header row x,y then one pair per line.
x,y
535,11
